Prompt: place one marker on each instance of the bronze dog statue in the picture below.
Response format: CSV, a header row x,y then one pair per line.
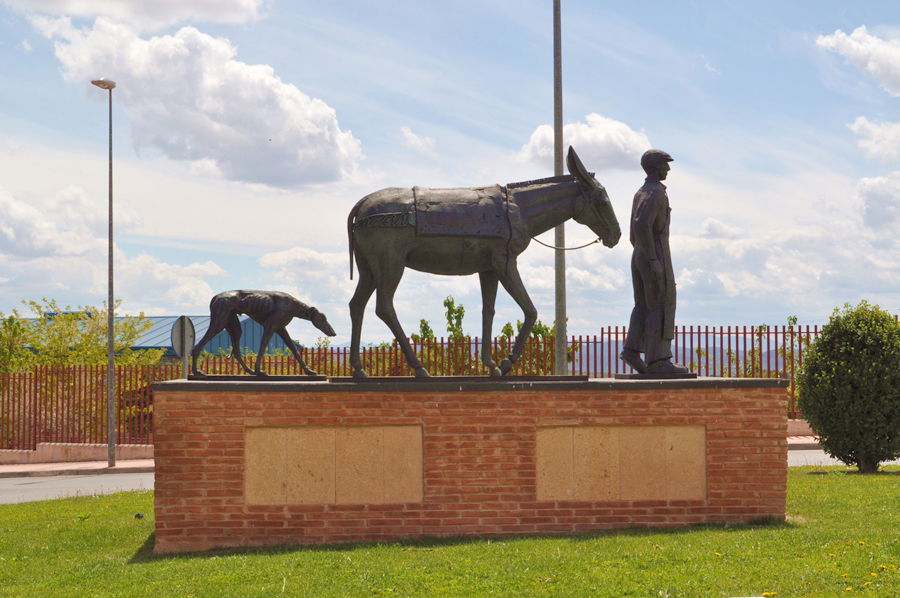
x,y
272,309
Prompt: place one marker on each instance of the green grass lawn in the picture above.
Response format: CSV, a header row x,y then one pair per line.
x,y
842,537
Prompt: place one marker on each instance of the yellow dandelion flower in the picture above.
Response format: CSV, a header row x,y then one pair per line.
x,y
873,574
867,583
848,589
831,554
719,554
845,575
861,543
770,593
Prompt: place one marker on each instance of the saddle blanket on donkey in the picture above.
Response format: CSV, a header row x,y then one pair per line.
x,y
461,211
468,211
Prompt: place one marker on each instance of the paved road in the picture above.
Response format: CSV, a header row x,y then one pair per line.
x,y
15,490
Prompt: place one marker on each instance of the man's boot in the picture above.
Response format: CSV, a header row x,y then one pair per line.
x,y
665,366
633,358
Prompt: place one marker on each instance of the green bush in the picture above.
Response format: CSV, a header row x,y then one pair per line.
x,y
849,386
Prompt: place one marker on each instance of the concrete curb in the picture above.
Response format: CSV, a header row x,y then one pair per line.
x,y
804,442
804,446
77,471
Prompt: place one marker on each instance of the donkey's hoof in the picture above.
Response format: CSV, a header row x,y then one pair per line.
x,y
198,373
422,373
260,374
311,373
495,372
506,367
360,373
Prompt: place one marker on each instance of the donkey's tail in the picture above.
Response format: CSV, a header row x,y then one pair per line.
x,y
350,220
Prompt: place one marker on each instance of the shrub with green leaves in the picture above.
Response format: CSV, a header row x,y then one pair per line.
x,y
849,386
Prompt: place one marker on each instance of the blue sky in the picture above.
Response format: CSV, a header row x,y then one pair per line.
x,y
245,130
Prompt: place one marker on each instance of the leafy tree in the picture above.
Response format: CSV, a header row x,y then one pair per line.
x,y
459,358
455,314
849,386
425,332
537,356
752,362
63,336
14,352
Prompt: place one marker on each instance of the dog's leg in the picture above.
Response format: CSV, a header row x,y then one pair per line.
x,y
283,333
234,331
269,326
217,322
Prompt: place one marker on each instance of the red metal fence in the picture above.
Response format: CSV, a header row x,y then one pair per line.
x,y
68,404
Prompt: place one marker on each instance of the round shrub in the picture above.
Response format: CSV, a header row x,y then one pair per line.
x,y
849,386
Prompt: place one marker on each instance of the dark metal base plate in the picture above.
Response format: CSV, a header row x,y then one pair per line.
x,y
649,376
270,378
454,379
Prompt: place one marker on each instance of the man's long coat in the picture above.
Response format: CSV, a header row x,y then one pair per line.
x,y
650,216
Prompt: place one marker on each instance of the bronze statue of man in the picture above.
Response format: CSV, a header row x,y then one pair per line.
x,y
652,324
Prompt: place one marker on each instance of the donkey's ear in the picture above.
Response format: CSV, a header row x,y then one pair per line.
x,y
577,169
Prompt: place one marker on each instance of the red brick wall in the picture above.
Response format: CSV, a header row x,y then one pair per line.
x,y
478,457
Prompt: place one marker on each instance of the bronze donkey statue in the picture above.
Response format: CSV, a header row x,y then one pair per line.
x,y
464,231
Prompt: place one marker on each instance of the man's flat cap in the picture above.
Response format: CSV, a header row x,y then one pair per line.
x,y
654,157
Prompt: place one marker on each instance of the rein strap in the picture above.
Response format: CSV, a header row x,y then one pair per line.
x,y
566,248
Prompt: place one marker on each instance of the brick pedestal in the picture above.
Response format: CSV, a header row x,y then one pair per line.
x,y
259,463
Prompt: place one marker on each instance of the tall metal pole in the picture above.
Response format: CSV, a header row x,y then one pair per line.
x,y
559,367
111,322
110,302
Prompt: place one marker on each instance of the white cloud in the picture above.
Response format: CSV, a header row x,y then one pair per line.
x,y
149,15
320,279
319,276
68,224
143,283
880,139
599,278
25,46
879,57
149,284
843,250
700,282
601,142
423,145
708,65
55,245
23,231
881,201
191,100
717,229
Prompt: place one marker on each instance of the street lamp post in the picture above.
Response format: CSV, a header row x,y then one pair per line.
x,y
109,85
559,239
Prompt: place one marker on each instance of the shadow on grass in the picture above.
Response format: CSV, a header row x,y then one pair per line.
x,y
145,553
854,472
885,468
